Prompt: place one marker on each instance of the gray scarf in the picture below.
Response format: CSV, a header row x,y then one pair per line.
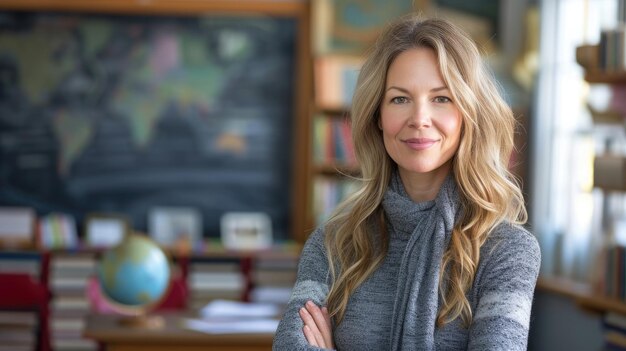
x,y
417,293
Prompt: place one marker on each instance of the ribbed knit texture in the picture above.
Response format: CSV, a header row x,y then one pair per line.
x,y
416,305
396,307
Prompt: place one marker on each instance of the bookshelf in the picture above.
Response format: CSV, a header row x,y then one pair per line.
x,y
606,295
333,162
211,273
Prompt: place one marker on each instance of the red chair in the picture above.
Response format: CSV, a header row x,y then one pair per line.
x,y
20,292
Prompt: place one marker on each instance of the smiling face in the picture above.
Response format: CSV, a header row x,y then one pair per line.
x,y
421,124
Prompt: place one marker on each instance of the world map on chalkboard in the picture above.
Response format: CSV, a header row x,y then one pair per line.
x,y
125,113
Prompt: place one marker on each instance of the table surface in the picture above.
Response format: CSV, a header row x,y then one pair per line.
x,y
108,330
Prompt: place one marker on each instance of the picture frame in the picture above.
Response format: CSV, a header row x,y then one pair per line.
x,y
246,230
174,226
105,230
17,227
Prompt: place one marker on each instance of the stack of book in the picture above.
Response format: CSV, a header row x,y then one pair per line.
x,y
70,274
18,330
273,279
23,262
614,328
212,279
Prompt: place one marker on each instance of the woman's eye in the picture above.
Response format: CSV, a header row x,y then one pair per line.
x,y
399,100
442,99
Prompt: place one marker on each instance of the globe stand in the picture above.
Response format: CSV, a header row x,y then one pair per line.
x,y
143,321
135,279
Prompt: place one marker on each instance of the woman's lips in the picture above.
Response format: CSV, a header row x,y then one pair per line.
x,y
420,143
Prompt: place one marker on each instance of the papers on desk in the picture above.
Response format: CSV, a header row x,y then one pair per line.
x,y
224,308
230,317
233,326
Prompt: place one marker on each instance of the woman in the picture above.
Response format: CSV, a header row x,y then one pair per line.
x,y
429,253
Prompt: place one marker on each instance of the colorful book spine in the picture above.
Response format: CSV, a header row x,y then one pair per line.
x,y
328,192
332,141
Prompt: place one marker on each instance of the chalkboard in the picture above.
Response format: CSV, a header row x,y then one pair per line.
x,y
120,113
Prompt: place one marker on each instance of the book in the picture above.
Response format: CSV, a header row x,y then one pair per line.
x,y
335,80
609,172
18,329
21,262
332,141
57,230
328,192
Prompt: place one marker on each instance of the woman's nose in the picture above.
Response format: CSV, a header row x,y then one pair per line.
x,y
420,117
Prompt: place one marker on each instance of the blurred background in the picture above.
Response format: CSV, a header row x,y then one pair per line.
x,y
221,131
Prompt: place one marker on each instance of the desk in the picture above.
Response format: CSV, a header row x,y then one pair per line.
x,y
172,337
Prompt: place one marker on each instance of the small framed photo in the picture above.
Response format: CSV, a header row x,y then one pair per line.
x,y
17,227
246,230
103,230
175,226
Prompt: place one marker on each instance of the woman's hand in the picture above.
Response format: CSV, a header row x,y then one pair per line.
x,y
317,327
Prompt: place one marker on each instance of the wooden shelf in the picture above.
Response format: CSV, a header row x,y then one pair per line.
x,y
601,305
582,295
606,77
165,7
335,169
587,57
565,287
333,112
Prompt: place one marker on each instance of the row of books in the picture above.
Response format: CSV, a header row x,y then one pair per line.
x,y
335,80
612,50
614,282
328,192
332,141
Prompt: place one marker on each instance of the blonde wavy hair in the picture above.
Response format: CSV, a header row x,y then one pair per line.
x,y
356,238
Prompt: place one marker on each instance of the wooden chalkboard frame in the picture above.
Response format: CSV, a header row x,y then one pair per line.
x,y
296,9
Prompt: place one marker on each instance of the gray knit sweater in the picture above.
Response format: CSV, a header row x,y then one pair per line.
x,y
500,298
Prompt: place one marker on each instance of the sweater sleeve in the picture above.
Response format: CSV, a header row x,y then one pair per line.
x,y
311,284
510,267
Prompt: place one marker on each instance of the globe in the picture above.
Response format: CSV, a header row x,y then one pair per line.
x,y
134,276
